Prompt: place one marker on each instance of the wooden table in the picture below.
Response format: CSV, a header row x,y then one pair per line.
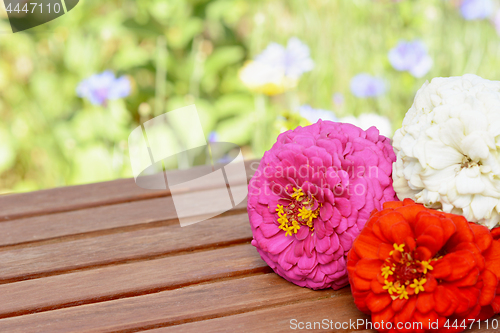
x,y
112,257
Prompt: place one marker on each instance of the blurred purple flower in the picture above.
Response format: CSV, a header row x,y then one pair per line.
x,y
364,85
99,88
294,60
313,115
411,57
476,9
213,137
338,99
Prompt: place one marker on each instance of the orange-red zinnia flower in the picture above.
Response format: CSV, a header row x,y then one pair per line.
x,y
414,264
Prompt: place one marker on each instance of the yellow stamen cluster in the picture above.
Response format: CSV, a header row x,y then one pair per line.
x,y
418,285
297,213
400,270
297,194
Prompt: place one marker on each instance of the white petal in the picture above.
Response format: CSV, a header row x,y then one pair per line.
x,y
475,146
482,206
440,156
469,185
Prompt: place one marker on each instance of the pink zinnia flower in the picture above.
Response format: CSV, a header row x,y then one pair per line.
x,y
312,194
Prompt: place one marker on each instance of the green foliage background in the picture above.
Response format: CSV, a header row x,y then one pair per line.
x,y
49,137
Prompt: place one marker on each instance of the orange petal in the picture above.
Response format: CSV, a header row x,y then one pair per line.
x,y
377,287
462,263
410,243
426,319
400,231
406,313
474,249
490,282
368,268
469,280
436,232
423,254
486,313
430,243
408,201
385,315
492,257
467,298
448,227
377,231
377,303
398,304
463,232
431,283
425,302
424,221
392,204
359,283
495,233
410,213
360,301
442,268
383,250
482,236
386,223
445,301
366,245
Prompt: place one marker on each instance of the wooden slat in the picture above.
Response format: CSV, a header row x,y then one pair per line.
x,y
14,206
128,279
86,220
34,261
337,310
90,220
334,310
171,307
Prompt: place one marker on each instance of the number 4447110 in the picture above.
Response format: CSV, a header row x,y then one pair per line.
x,y
35,7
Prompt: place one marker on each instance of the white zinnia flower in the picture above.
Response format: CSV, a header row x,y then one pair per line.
x,y
448,149
367,120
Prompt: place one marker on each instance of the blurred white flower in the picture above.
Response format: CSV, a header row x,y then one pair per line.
x,y
448,148
313,115
265,79
367,120
277,68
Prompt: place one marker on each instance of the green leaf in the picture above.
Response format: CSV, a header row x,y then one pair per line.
x,y
237,129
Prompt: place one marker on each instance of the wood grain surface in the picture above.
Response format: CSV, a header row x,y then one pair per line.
x,y
112,257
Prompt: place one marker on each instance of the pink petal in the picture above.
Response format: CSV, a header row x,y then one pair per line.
x,y
278,243
323,244
302,233
330,268
269,229
298,249
319,228
336,217
346,241
334,244
324,258
282,259
326,211
344,206
307,263
342,226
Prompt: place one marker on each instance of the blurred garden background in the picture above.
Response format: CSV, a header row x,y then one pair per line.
x,y
72,90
